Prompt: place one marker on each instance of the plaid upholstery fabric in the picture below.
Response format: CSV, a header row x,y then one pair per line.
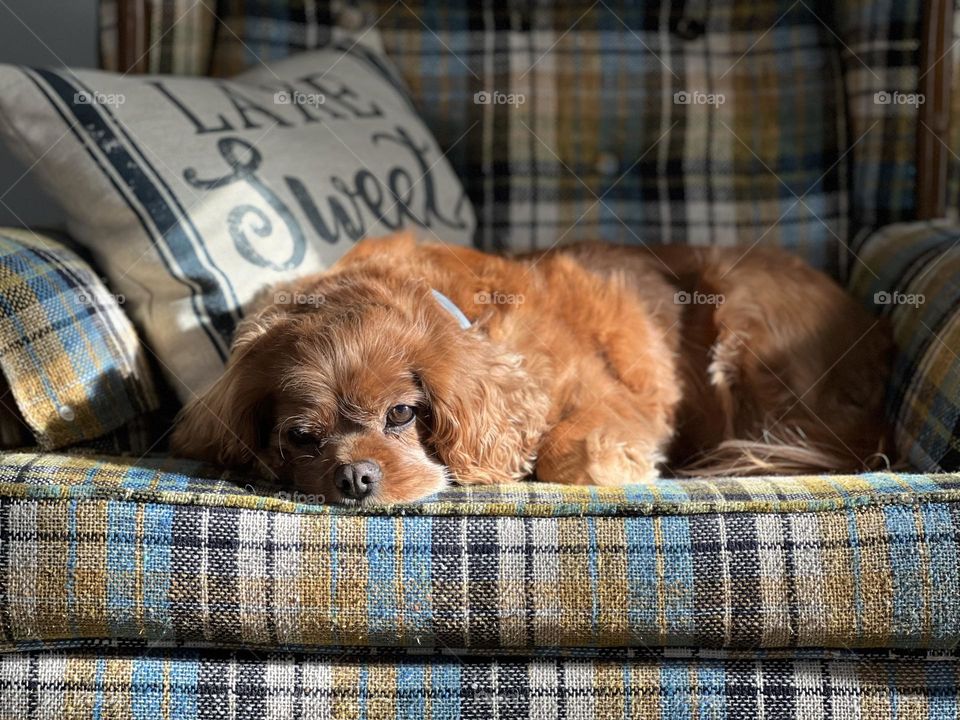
x,y
879,56
72,359
587,127
611,136
144,434
290,687
910,272
598,83
180,33
157,550
586,154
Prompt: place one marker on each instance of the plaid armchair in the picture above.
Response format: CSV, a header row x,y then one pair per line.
x,y
139,586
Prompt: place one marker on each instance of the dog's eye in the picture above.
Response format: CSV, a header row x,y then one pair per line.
x,y
400,415
302,436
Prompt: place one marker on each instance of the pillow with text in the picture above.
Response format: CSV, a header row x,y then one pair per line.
x,y
193,194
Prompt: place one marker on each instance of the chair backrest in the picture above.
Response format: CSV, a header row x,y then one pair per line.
x,y
792,122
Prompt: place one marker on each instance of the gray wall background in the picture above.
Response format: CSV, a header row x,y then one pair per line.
x,y
41,33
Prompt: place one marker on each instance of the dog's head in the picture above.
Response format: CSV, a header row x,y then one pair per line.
x,y
363,387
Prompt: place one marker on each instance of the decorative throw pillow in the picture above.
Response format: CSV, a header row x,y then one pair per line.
x,y
195,193
73,362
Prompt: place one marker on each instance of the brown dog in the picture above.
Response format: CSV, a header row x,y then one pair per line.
x,y
590,364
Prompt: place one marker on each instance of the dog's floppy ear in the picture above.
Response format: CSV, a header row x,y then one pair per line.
x,y
227,424
400,243
486,414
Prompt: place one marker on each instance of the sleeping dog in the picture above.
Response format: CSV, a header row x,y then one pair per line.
x,y
408,366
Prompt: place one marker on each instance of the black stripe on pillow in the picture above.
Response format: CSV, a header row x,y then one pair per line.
x,y
213,312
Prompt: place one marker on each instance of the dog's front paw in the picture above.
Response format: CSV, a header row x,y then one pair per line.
x,y
612,461
599,458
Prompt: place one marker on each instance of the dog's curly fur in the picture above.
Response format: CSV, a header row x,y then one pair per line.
x,y
581,366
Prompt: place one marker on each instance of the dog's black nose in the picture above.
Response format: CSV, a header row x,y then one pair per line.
x,y
357,480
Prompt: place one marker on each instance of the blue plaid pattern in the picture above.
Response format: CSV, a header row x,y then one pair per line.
x,y
167,551
608,139
71,358
910,272
458,686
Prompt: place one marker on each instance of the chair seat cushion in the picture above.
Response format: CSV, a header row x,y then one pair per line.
x,y
109,682
164,550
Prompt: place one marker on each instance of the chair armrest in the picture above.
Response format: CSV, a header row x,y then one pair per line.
x,y
74,364
910,273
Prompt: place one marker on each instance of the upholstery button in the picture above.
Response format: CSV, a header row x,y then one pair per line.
x,y
350,17
607,163
690,28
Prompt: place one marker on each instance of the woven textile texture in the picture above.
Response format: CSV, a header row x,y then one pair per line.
x,y
621,121
180,31
773,121
879,53
73,361
911,272
156,551
452,687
